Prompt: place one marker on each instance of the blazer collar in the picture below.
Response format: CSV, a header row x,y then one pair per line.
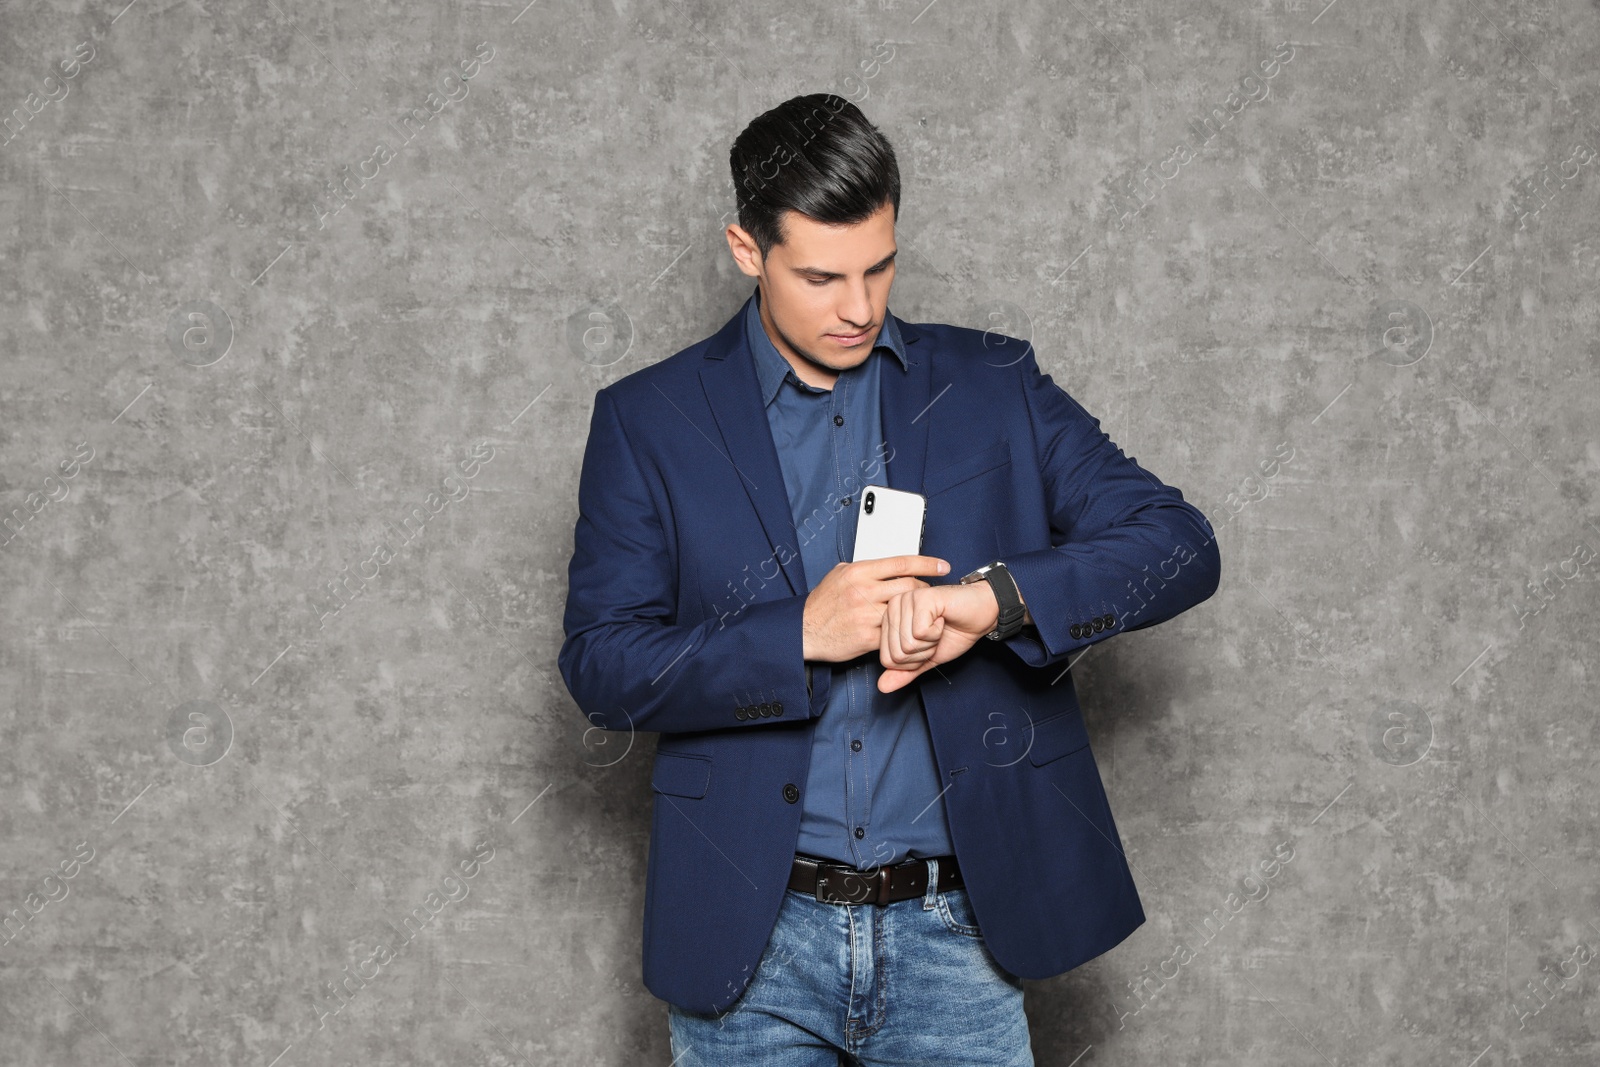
x,y
733,390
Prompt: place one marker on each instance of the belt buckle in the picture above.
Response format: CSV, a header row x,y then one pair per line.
x,y
876,882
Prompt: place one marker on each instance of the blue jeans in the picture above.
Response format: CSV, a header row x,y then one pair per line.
x,y
905,984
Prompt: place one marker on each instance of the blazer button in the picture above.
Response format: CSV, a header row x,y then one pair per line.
x,y
739,714
1111,620
765,709
790,793
1076,631
777,707
1099,624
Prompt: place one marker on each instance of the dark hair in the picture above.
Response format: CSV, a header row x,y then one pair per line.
x,y
817,155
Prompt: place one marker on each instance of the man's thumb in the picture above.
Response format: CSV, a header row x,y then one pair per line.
x,y
893,679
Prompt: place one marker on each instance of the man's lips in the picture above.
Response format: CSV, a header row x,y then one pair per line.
x,y
848,339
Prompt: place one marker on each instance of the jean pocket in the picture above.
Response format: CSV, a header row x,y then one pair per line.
x,y
955,909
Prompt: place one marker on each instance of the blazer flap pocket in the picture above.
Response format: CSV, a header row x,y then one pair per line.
x,y
681,775
968,466
1057,736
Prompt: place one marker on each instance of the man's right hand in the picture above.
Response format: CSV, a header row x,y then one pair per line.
x,y
844,613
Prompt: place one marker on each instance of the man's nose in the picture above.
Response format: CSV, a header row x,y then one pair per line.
x,y
857,307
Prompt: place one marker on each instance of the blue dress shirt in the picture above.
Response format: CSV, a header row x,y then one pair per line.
x,y
872,795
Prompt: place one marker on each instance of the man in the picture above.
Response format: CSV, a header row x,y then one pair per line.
x,y
875,807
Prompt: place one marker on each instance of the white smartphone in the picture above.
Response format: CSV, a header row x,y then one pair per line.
x,y
889,523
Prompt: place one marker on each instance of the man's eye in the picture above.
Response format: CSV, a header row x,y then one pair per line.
x,y
825,281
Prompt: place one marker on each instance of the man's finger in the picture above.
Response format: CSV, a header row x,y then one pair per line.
x,y
914,619
899,649
894,657
897,566
888,647
932,624
894,678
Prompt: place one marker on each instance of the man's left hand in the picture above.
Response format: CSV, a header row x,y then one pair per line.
x,y
930,625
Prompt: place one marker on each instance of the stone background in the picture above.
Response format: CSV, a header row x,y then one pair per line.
x,y
1355,322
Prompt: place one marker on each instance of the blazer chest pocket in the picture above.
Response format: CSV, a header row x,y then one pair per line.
x,y
681,775
966,468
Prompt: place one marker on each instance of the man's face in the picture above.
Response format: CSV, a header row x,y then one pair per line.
x,y
824,291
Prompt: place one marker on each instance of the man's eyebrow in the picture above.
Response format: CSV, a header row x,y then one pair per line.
x,y
884,262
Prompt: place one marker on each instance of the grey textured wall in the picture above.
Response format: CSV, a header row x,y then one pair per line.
x,y
1354,319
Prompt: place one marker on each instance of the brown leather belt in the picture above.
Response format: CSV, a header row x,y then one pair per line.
x,y
838,883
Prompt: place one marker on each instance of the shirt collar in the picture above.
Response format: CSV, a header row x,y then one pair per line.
x,y
772,368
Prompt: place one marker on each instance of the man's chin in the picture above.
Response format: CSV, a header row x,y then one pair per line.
x,y
839,365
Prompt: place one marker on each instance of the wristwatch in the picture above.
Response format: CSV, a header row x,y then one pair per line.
x,y
1005,591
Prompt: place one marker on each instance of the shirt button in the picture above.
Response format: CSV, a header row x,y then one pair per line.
x,y
844,501
838,420
860,833
855,746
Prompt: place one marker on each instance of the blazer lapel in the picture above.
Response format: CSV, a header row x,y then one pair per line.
x,y
728,376
905,404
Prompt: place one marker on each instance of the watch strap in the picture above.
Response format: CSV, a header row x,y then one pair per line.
x,y
1006,594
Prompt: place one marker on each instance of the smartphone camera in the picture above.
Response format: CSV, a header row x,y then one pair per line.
x,y
867,503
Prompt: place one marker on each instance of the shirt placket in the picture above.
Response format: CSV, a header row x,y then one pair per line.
x,y
842,436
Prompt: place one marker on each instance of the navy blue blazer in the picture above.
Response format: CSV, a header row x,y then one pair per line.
x,y
681,493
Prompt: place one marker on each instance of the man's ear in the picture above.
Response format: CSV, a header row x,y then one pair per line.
x,y
746,254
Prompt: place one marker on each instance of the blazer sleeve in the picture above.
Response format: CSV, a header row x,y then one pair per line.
x,y
626,662
1127,551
